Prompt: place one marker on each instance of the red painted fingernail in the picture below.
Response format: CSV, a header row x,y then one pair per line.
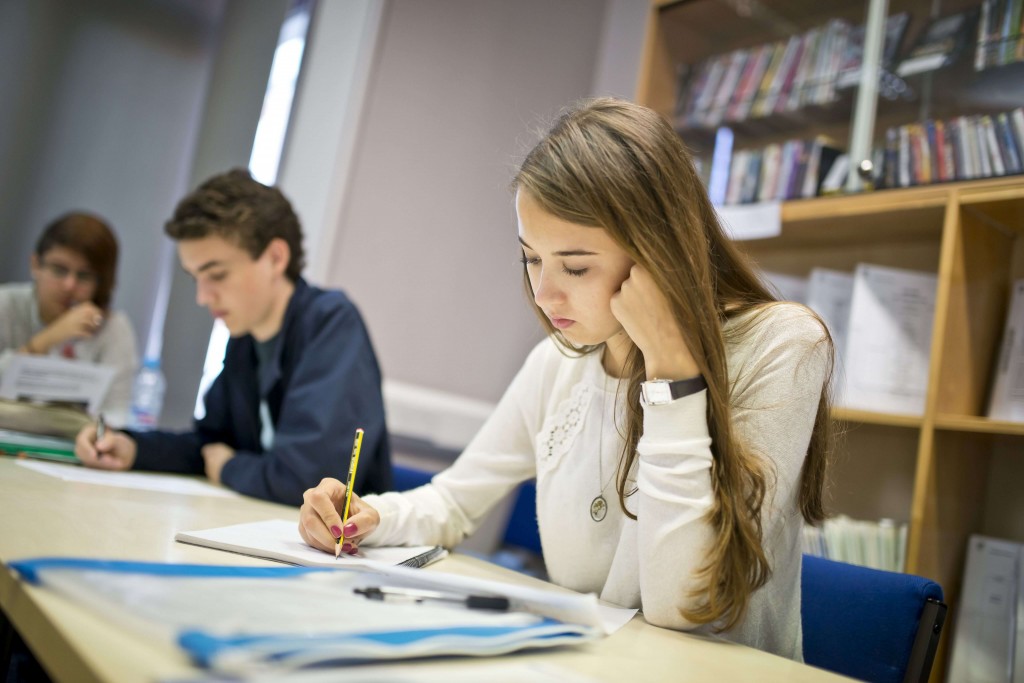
x,y
350,529
336,531
346,547
353,551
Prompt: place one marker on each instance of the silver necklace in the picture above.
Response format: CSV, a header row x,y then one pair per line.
x,y
599,506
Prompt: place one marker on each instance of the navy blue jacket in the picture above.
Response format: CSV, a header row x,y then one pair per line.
x,y
322,382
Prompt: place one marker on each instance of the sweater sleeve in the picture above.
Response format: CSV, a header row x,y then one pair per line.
x,y
499,457
774,403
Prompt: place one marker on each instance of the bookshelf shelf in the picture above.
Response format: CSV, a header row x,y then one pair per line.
x,y
945,472
851,416
981,425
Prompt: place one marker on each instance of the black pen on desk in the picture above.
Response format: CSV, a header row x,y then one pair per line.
x,y
383,593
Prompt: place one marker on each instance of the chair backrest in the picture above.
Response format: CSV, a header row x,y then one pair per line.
x,y
404,478
871,625
521,530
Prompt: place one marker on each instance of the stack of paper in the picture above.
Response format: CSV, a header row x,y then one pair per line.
x,y
989,628
1007,399
889,339
242,619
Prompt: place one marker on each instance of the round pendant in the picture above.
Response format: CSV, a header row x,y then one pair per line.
x,y
598,508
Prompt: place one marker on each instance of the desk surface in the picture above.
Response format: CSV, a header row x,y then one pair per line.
x,y
42,515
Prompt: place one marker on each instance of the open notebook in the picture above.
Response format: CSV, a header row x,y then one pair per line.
x,y
278,539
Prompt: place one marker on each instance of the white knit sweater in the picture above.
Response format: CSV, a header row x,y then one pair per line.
x,y
556,417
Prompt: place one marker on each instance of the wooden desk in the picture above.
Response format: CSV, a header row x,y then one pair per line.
x,y
42,515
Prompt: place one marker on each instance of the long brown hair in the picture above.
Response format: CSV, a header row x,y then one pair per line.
x,y
616,165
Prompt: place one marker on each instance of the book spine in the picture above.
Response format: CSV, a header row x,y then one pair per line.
x,y
992,144
979,51
931,152
1008,145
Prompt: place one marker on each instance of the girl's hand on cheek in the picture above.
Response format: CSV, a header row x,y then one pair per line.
x,y
644,313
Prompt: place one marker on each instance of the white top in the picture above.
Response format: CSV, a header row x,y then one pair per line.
x,y
558,413
113,345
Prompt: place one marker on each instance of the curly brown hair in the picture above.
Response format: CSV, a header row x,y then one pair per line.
x,y
238,208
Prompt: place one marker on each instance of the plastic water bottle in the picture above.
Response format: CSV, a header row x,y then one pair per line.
x,y
147,395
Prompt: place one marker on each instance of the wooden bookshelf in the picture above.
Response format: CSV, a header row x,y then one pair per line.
x,y
851,416
944,472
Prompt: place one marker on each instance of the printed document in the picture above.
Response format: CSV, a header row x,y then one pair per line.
x,y
44,379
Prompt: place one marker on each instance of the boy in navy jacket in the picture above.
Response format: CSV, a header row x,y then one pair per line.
x,y
300,374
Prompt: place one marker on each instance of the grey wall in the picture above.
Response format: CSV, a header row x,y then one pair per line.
x,y
232,103
100,115
121,106
426,244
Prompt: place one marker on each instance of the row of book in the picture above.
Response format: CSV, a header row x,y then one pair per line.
x,y
764,80
879,545
960,148
791,170
1000,33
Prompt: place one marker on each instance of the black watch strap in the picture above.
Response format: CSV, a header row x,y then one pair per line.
x,y
685,387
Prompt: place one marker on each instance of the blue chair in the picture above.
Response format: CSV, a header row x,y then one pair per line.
x,y
521,530
404,478
868,624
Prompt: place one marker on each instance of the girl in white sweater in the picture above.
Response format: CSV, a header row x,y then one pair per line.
x,y
676,419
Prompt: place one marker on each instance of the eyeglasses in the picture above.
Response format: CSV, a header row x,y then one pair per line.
x,y
60,272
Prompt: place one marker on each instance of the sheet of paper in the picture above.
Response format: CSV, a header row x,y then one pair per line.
x,y
1007,399
830,294
56,380
278,539
247,619
790,287
751,221
164,483
890,339
984,639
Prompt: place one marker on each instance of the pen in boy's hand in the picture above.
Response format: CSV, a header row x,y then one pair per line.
x,y
101,428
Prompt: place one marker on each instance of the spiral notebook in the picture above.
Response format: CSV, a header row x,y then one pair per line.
x,y
279,540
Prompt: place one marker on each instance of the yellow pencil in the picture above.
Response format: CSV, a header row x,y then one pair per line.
x,y
352,466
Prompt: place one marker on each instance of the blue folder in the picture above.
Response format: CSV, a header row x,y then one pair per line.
x,y
273,603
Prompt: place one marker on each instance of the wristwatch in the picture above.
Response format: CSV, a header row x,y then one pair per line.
x,y
657,392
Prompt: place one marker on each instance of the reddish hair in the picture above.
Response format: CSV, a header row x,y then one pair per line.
x,y
92,238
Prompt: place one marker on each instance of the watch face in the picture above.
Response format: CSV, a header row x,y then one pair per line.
x,y
656,392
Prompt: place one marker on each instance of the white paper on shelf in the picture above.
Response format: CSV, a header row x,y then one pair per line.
x,y
984,638
830,294
790,287
752,221
55,380
889,339
143,481
1006,401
